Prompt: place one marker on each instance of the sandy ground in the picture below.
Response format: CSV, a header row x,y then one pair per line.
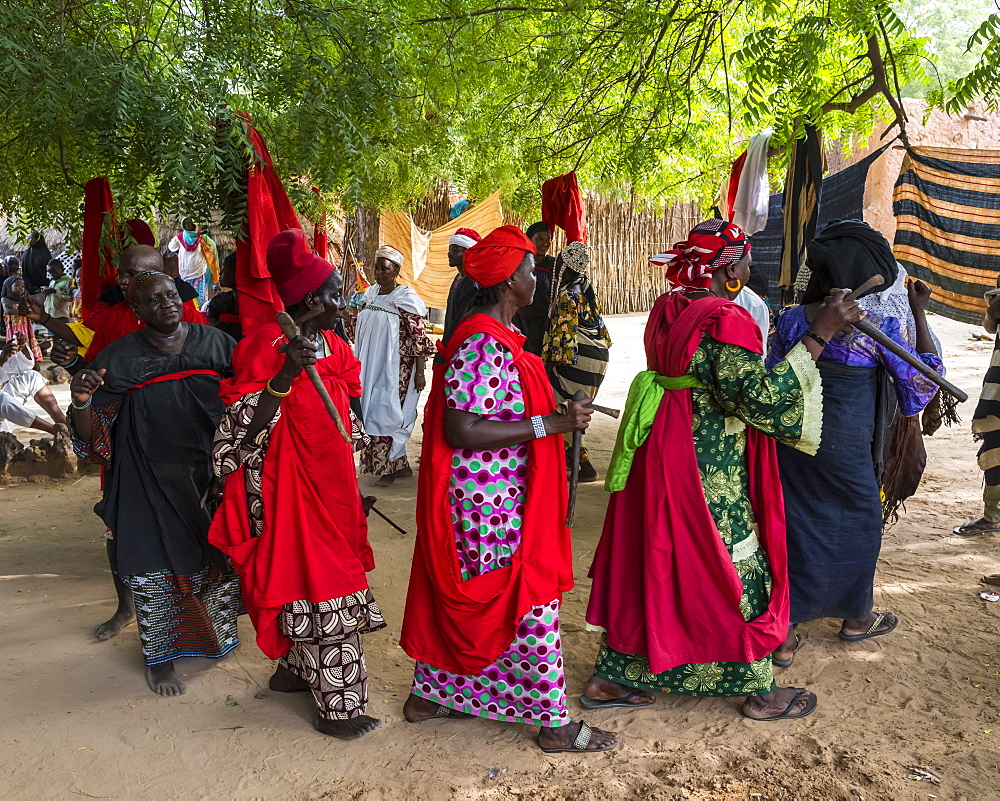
x,y
79,722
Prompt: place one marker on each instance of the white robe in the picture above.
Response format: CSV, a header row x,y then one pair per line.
x,y
377,346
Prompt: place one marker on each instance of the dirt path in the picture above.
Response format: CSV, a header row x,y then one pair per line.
x,y
78,721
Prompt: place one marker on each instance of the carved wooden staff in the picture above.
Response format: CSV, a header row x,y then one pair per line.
x,y
291,330
574,480
867,328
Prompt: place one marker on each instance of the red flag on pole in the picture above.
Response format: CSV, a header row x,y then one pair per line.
x,y
269,212
97,270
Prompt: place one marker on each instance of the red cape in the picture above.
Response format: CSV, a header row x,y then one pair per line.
x,y
463,626
664,582
314,543
111,323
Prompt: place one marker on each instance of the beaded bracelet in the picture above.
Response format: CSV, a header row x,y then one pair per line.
x,y
538,426
90,400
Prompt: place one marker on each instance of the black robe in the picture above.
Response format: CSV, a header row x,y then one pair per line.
x,y
156,443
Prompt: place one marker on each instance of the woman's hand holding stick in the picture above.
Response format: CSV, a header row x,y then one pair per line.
x,y
291,331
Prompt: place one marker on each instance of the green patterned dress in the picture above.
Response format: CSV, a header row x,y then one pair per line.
x,y
785,403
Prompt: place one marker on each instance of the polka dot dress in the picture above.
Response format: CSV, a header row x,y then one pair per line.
x,y
525,685
487,493
487,487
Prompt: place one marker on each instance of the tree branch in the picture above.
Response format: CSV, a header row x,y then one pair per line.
x,y
483,11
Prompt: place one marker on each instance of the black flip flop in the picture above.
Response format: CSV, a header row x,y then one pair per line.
x,y
787,663
614,703
974,529
879,617
809,707
993,580
580,744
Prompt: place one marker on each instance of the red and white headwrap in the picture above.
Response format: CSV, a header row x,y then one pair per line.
x,y
710,245
464,238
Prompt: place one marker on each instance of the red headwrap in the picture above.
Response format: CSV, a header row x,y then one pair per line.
x,y
497,256
141,232
710,245
295,269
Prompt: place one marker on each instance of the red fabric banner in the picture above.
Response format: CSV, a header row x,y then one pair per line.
x,y
269,212
321,240
97,270
562,205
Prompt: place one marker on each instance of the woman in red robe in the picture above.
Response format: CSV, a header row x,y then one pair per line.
x,y
690,575
291,519
492,558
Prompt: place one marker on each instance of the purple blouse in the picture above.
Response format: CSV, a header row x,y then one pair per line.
x,y
855,349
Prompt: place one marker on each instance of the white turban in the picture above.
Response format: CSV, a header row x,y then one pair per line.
x,y
461,240
393,255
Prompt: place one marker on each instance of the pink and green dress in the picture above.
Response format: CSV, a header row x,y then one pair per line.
x,y
526,683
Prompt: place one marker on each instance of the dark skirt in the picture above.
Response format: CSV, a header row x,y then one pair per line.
x,y
832,503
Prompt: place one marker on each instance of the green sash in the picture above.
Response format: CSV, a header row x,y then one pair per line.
x,y
644,397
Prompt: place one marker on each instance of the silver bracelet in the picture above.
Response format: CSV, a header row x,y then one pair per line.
x,y
538,426
90,400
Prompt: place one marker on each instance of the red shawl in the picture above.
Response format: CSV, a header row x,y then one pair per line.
x,y
111,323
463,626
664,582
314,543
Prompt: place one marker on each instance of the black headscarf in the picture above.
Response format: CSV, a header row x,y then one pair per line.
x,y
535,228
35,265
845,255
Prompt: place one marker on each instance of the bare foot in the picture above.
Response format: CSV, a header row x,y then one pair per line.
x,y
604,690
114,625
284,681
385,481
406,472
417,710
163,680
785,653
785,701
347,729
563,737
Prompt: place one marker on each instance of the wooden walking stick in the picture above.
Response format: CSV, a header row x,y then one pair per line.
x,y
574,480
870,330
291,330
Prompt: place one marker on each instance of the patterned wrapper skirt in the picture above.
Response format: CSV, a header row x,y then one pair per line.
x,y
187,616
710,679
327,652
526,684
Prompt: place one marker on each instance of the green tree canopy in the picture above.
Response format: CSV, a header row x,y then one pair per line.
x,y
374,101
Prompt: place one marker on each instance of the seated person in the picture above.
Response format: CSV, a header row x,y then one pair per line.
x,y
19,381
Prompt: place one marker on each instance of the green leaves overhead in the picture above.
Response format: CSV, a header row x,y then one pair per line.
x,y
373,101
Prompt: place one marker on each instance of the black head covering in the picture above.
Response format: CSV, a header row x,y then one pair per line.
x,y
34,265
845,255
535,228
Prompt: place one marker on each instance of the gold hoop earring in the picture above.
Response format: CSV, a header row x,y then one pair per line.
x,y
734,289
